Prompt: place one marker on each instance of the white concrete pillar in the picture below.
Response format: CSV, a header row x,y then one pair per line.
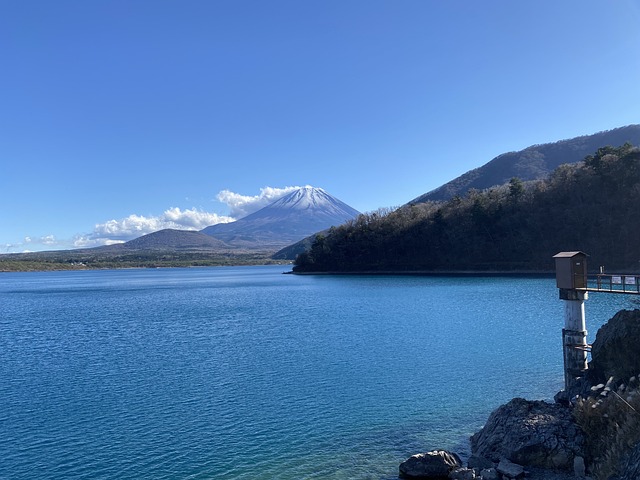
x,y
574,337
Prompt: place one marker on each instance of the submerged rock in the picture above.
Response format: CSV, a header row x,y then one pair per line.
x,y
530,433
436,464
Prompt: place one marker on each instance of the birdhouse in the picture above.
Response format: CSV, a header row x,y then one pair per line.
x,y
571,270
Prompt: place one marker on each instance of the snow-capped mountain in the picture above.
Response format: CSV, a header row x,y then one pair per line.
x,y
289,219
314,198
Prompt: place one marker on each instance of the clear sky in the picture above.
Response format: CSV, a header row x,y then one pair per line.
x,y
120,117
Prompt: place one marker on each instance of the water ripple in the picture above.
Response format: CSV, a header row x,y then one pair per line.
x,y
244,373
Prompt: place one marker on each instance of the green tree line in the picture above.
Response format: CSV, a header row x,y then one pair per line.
x,y
593,206
95,259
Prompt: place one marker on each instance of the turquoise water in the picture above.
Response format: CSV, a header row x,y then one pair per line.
x,y
245,373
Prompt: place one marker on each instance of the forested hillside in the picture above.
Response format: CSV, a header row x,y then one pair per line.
x,y
593,206
532,163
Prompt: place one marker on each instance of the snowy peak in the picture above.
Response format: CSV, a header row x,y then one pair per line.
x,y
314,199
303,198
291,218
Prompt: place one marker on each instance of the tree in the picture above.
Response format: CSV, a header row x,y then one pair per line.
x,y
516,188
589,206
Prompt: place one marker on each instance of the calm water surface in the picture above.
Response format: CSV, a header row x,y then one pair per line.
x,y
245,373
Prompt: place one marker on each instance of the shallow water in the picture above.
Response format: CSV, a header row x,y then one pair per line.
x,y
245,373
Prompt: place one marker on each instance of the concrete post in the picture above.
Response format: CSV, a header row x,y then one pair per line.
x,y
574,337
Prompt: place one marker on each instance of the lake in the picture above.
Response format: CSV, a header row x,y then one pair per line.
x,y
245,373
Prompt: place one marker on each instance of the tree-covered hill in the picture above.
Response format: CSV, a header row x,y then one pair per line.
x,y
593,206
532,163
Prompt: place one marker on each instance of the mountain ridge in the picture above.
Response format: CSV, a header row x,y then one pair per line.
x,y
532,163
588,206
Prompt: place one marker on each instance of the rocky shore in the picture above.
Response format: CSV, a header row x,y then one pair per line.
x,y
591,433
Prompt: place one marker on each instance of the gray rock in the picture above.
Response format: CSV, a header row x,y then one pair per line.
x,y
581,387
578,467
615,350
480,463
533,473
489,474
436,464
463,473
510,469
530,433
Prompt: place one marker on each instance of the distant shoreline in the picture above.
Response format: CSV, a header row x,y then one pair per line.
x,y
14,267
440,273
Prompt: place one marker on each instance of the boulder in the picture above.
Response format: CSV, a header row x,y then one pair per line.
x,y
530,433
579,468
615,351
489,474
463,473
479,463
436,465
581,387
509,469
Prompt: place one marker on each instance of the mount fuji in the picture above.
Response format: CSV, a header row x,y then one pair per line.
x,y
295,216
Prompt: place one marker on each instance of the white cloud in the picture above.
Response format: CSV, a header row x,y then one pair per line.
x,y
11,247
48,240
119,231
133,226
242,205
90,240
194,219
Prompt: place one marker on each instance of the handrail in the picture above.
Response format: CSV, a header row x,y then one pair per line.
x,y
613,283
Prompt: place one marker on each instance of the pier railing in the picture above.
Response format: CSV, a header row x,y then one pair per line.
x,y
613,283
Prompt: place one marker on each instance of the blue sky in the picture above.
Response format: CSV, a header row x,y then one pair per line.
x,y
120,117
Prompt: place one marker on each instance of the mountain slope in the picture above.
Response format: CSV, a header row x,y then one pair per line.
x,y
293,217
170,239
590,206
532,163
